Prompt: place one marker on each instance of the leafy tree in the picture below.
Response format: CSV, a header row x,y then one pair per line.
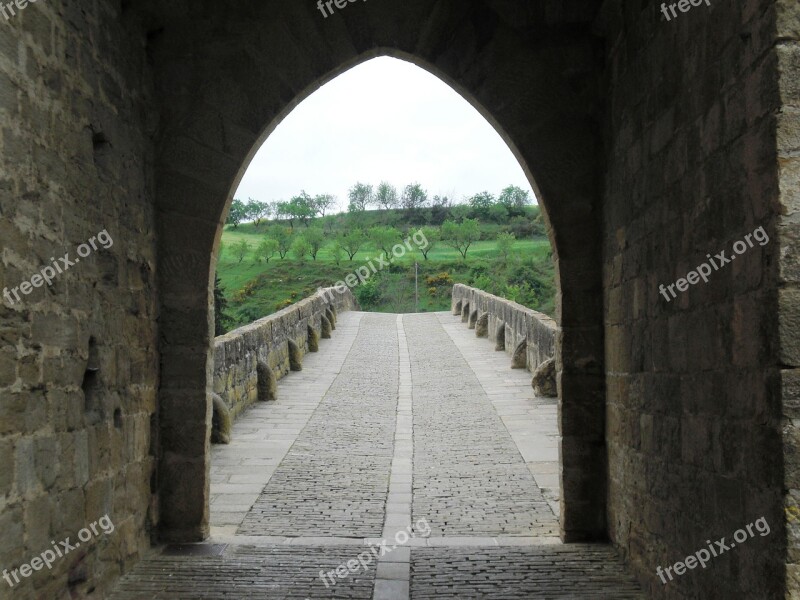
x,y
221,318
441,202
300,247
481,203
433,236
351,242
505,243
323,203
461,236
384,238
241,249
302,207
237,213
336,253
414,196
283,237
257,211
514,197
386,196
360,196
315,238
283,212
267,249
274,211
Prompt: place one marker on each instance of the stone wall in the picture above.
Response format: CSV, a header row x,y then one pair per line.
x,y
507,324
788,234
693,409
78,358
237,353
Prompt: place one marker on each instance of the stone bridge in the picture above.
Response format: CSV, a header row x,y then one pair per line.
x,y
403,429
654,141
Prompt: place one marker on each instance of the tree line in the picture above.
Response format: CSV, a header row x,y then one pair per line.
x,y
304,208
281,241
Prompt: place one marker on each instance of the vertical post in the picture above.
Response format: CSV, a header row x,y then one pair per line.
x,y
416,286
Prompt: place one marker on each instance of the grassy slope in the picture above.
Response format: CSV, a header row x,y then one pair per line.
x,y
269,286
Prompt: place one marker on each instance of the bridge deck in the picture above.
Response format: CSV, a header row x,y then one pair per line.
x,y
401,427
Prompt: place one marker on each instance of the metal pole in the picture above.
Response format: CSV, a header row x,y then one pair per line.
x,y
416,286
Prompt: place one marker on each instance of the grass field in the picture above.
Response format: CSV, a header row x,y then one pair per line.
x,y
255,289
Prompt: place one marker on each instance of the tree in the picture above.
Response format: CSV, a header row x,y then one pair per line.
x,y
360,196
441,202
336,253
323,203
283,237
461,236
237,213
300,247
241,249
315,238
481,203
386,196
514,197
414,196
302,207
432,235
505,243
283,211
257,211
384,238
351,242
221,319
267,249
274,211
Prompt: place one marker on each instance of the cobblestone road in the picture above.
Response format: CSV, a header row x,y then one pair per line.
x,y
389,406
333,481
469,476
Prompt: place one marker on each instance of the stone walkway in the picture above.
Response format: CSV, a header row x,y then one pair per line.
x,y
406,444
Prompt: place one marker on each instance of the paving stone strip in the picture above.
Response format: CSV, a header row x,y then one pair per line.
x,y
566,572
265,433
335,478
242,573
532,421
469,476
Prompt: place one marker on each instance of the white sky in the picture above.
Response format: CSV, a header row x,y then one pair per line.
x,y
385,119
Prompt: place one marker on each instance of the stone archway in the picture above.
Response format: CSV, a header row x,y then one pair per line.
x,y
221,102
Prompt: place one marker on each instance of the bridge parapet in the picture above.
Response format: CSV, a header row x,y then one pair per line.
x,y
528,336
271,347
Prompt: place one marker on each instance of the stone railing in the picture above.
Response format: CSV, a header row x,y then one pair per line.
x,y
248,361
528,336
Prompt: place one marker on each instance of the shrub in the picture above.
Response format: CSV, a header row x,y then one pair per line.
x,y
367,294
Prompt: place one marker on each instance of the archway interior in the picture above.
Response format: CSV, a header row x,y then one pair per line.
x,y
407,126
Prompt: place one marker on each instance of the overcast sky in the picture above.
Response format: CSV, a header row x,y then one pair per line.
x,y
385,119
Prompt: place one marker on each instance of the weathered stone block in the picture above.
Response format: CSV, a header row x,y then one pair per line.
x,y
544,379
221,421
